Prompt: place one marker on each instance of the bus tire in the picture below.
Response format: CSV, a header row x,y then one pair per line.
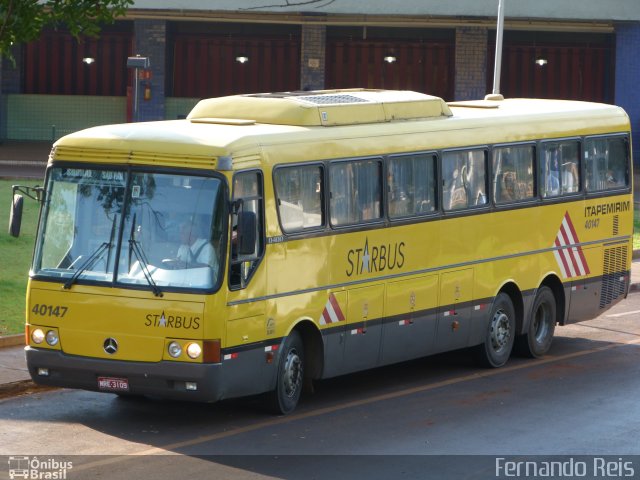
x,y
15,218
290,376
537,341
498,343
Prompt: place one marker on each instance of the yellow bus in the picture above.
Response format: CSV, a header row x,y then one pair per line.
x,y
270,240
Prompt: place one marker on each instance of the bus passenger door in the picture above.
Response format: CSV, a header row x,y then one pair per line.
x,y
247,280
409,319
363,328
454,319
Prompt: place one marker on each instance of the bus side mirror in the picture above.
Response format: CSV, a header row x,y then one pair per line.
x,y
246,232
15,216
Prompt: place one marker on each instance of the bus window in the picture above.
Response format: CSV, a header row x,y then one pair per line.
x,y
464,179
513,173
172,230
247,186
355,192
169,236
411,184
299,197
559,168
606,163
82,214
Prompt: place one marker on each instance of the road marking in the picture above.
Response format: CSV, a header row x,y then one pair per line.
x,y
624,314
170,448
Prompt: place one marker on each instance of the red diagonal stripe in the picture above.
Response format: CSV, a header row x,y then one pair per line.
x,y
563,258
575,236
336,307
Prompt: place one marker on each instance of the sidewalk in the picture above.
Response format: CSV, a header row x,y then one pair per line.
x,y
24,153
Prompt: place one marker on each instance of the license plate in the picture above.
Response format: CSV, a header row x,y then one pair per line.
x,y
113,384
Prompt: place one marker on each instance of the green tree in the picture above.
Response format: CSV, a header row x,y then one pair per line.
x,y
23,20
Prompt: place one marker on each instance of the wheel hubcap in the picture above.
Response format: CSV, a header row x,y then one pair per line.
x,y
292,377
500,331
541,324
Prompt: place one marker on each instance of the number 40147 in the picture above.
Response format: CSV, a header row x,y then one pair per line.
x,y
49,310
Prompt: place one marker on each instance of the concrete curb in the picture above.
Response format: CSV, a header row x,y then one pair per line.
x,y
12,340
23,163
22,387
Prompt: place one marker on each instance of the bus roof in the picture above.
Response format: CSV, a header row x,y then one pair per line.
x,y
242,124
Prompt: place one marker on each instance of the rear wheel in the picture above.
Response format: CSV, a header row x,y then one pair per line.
x,y
537,341
498,343
284,398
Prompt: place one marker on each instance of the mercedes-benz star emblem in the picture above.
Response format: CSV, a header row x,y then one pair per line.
x,y
110,346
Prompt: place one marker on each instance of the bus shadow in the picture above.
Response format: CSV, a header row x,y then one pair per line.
x,y
193,429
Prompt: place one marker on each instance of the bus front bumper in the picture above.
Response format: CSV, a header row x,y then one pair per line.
x,y
173,380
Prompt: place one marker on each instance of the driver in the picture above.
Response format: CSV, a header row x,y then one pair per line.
x,y
196,248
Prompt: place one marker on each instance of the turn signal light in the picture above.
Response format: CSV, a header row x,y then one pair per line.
x,y
211,351
37,336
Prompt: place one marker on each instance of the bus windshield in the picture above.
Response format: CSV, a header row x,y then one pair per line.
x,y
155,230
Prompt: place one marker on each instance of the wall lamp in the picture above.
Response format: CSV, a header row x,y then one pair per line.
x,y
541,61
390,59
88,60
242,59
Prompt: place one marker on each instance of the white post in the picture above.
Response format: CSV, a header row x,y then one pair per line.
x,y
136,84
498,60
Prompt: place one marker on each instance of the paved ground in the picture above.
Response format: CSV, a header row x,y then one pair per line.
x,y
12,152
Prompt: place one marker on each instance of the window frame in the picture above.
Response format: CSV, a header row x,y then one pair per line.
x,y
130,170
323,197
487,204
436,191
519,202
608,191
380,160
259,257
540,173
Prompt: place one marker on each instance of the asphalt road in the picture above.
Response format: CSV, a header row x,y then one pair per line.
x,y
401,421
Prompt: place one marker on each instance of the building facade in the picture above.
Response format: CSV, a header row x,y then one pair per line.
x,y
576,49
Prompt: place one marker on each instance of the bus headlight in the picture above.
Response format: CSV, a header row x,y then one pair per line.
x,y
37,336
194,350
52,337
175,350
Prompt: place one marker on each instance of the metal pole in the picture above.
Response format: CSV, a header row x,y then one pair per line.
x,y
498,63
135,95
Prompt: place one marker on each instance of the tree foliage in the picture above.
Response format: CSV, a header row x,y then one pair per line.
x,y
23,20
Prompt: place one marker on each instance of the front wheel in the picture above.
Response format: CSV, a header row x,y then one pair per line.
x,y
498,342
537,341
284,398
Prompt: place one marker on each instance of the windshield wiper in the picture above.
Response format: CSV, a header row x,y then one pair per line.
x,y
94,257
88,263
134,246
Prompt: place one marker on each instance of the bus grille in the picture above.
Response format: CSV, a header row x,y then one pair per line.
x,y
616,225
614,278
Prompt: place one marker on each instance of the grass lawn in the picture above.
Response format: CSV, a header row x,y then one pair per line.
x,y
15,258
636,229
